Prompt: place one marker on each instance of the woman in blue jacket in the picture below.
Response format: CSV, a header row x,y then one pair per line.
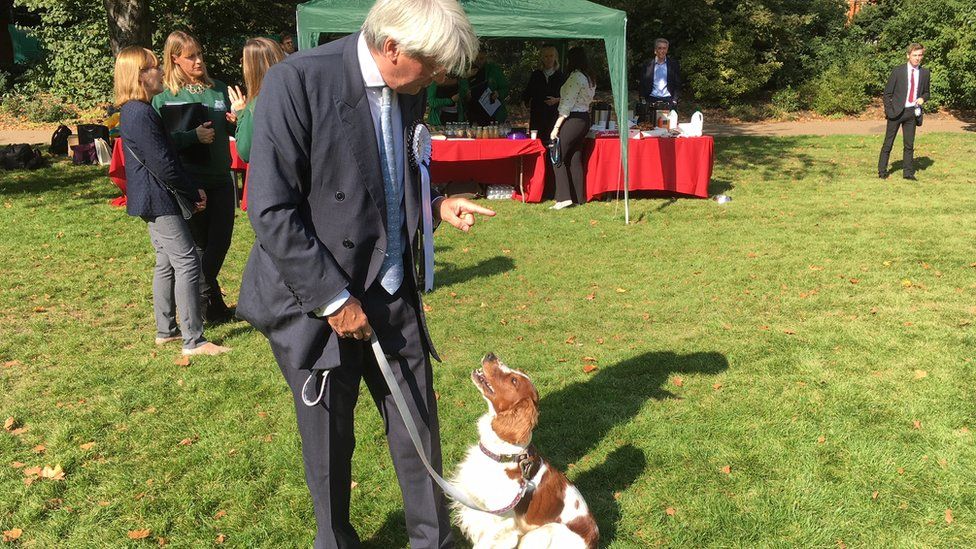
x,y
154,176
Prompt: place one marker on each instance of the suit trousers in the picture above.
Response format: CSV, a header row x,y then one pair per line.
x,y
212,230
327,428
570,180
907,124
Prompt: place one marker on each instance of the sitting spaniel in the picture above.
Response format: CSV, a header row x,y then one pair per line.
x,y
530,504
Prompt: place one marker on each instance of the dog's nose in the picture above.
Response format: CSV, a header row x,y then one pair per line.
x,y
490,357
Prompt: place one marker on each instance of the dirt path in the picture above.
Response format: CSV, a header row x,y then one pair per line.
x,y
33,137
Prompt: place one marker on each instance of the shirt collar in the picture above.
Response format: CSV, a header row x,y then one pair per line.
x,y
371,72
665,62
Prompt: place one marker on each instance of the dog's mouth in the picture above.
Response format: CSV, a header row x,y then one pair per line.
x,y
481,381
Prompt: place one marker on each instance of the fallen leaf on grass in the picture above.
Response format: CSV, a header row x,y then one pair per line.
x,y
821,439
670,511
9,423
616,496
589,368
591,297
162,541
916,424
182,360
854,281
12,535
906,283
186,442
841,544
139,534
589,359
874,495
789,332
570,340
716,386
220,514
353,484
901,470
919,374
11,363
427,308
678,382
17,465
726,469
39,449
19,431
621,291
87,445
948,516
52,473
599,341
40,310
220,539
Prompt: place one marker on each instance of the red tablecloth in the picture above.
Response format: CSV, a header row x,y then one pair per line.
x,y
116,171
677,165
492,161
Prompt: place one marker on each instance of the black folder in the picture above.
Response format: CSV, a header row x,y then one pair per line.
x,y
185,117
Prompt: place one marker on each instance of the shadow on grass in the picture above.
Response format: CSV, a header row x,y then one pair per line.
x,y
393,533
719,186
769,157
922,163
598,486
575,419
448,275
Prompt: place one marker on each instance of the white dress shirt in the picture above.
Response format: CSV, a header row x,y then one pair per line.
x,y
908,98
660,88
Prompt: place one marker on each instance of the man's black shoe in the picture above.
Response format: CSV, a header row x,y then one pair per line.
x,y
883,175
910,177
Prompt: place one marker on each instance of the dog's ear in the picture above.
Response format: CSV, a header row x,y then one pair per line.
x,y
515,424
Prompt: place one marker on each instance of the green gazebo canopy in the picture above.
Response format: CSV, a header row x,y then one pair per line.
x,y
543,19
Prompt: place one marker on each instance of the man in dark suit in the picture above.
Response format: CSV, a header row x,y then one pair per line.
x,y
660,80
336,207
907,90
542,93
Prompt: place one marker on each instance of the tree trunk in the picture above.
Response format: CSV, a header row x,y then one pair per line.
x,y
128,24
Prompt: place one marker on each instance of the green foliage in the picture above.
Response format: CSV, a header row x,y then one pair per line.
x,y
787,100
39,107
842,88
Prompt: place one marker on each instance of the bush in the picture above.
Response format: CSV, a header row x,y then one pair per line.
x,y
749,113
842,88
38,108
787,100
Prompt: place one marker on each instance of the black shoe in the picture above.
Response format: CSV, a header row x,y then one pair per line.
x,y
910,177
883,175
217,311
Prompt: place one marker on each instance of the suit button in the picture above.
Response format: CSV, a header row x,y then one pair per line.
x,y
340,196
348,243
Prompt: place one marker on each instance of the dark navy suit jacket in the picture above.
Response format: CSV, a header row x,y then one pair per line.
x,y
674,79
142,132
316,201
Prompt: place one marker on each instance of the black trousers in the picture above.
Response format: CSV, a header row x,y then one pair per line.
x,y
907,124
570,180
212,230
328,435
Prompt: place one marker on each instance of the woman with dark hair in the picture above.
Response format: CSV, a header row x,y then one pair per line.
x,y
154,176
186,81
575,97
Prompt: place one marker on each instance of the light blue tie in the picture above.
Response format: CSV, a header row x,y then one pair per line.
x,y
391,272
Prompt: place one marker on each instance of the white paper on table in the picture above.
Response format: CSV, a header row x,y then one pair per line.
x,y
489,105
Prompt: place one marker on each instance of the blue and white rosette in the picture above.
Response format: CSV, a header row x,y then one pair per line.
x,y
421,149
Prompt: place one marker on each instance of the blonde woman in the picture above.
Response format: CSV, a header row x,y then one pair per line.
x,y
259,55
154,175
185,81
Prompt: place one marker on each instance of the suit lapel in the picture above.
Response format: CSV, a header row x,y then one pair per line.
x,y
358,122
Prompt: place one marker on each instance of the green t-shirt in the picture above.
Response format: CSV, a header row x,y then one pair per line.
x,y
217,171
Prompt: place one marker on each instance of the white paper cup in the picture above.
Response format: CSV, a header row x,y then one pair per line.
x,y
534,134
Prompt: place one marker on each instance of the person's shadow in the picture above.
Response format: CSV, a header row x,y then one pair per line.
x,y
448,275
921,163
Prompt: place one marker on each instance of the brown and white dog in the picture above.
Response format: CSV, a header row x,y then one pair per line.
x,y
532,504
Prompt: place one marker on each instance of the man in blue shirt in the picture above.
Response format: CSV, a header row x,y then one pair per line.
x,y
660,80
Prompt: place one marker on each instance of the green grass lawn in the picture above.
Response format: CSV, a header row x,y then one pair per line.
x,y
794,368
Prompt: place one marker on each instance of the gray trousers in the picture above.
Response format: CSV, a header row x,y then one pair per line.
x,y
176,281
328,435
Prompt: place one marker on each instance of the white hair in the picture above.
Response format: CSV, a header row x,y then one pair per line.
x,y
438,30
660,41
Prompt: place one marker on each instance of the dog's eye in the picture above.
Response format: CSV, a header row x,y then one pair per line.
x,y
515,381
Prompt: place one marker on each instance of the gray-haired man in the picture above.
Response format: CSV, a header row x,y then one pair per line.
x,y
336,215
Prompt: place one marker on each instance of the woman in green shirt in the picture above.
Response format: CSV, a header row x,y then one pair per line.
x,y
259,55
446,100
186,81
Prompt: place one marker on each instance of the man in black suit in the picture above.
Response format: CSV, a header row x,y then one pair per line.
x,y
660,80
903,97
336,207
542,93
